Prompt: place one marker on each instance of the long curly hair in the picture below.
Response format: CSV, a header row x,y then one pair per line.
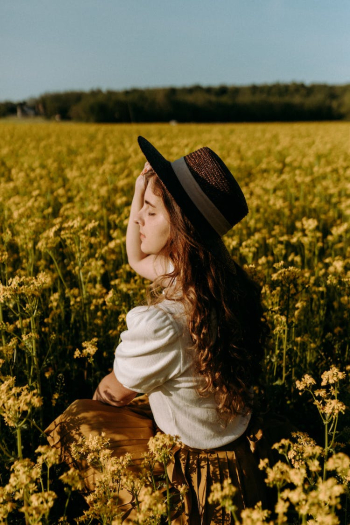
x,y
223,310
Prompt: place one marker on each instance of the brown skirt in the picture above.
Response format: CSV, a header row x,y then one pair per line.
x,y
129,429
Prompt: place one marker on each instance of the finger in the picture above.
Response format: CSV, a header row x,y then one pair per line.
x,y
147,167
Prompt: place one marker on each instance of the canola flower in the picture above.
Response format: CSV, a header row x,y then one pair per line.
x,y
25,490
327,403
311,482
119,486
65,283
223,494
89,350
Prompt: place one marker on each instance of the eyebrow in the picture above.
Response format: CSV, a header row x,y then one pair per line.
x,y
147,202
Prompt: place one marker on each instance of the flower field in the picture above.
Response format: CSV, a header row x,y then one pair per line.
x,y
65,287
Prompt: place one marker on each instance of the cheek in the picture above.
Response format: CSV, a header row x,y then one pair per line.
x,y
165,230
160,234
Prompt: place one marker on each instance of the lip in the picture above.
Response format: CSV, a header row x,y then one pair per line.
x,y
142,236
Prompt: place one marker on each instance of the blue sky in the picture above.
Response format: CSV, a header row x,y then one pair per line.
x,y
49,45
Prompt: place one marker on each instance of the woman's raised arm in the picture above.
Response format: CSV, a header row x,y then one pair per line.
x,y
133,242
148,266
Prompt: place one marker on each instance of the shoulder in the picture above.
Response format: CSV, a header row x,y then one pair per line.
x,y
150,352
154,322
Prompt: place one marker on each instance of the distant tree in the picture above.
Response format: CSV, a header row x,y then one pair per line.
x,y
59,103
7,108
253,103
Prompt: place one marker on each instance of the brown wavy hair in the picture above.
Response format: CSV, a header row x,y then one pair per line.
x,y
223,309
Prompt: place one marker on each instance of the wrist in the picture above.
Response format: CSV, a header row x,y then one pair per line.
x,y
139,193
140,185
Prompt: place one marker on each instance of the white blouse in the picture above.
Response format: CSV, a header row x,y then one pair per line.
x,y
155,358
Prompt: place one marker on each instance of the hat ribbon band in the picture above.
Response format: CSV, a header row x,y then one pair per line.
x,y
199,198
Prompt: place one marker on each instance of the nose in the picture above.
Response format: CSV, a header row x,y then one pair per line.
x,y
139,218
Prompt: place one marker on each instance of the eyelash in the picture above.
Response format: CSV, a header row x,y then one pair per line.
x,y
149,213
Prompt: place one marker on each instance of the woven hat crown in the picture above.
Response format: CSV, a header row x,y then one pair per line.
x,y
218,183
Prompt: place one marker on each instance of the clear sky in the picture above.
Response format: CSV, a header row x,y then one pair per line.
x,y
58,45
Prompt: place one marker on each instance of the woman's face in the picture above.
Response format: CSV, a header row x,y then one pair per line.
x,y
154,222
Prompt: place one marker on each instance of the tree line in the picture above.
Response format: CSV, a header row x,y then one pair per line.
x,y
254,103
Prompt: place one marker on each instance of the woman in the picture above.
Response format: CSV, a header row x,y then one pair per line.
x,y
196,348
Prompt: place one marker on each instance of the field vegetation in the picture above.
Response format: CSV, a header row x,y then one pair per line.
x,y
66,286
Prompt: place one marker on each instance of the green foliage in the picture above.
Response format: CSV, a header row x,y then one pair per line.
x,y
254,103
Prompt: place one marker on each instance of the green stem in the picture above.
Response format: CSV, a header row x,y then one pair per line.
x,y
334,432
25,501
35,354
36,365
82,285
40,430
235,517
285,353
57,268
167,493
86,309
153,481
66,506
48,479
276,353
137,502
326,449
2,331
5,451
19,442
23,332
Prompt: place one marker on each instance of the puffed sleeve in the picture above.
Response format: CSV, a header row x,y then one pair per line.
x,y
150,351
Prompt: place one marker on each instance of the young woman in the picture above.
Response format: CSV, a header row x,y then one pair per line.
x,y
196,348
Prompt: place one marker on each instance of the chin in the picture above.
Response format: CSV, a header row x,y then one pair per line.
x,y
147,251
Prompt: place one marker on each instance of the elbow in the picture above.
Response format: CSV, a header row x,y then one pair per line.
x,y
107,397
132,263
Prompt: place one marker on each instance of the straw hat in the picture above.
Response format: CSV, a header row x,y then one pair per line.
x,y
205,190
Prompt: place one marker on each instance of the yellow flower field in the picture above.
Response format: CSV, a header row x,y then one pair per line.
x,y
65,284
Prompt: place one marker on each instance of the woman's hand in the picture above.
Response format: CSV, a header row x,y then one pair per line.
x,y
133,241
140,184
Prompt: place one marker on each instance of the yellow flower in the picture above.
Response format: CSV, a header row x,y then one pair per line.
x,y
341,464
223,494
255,516
332,376
89,350
152,507
38,505
48,455
306,383
162,447
14,400
72,477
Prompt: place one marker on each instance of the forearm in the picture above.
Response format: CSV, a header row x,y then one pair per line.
x,y
146,265
133,241
112,392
